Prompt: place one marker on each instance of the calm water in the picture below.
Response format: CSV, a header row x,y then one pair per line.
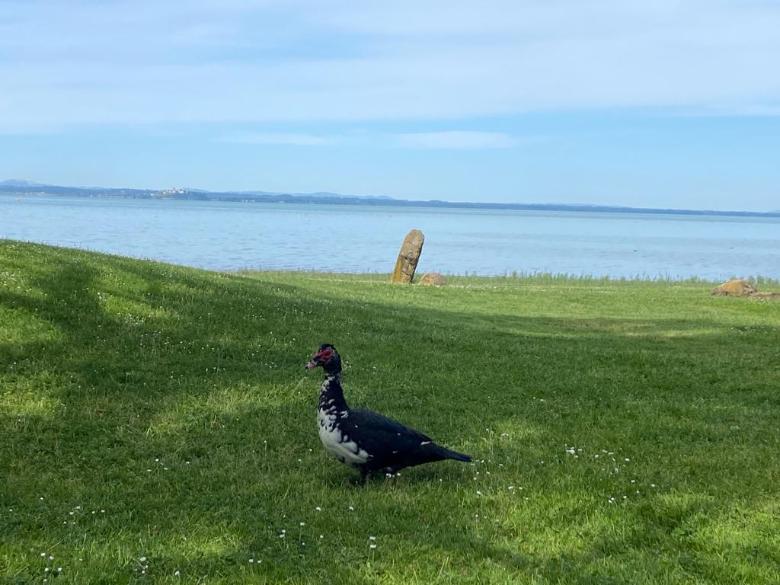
x,y
230,236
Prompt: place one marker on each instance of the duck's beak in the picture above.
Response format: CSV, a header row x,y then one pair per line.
x,y
311,365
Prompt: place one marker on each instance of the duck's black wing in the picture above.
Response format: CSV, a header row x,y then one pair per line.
x,y
392,445
373,423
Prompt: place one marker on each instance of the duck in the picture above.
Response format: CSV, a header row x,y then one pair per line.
x,y
362,439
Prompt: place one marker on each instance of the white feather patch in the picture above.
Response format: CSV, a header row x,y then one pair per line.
x,y
337,444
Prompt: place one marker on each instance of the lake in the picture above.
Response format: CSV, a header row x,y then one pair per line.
x,y
354,238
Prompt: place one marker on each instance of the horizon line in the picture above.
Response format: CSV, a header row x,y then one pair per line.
x,y
333,197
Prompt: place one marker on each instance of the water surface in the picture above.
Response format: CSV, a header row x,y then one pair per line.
x,y
354,238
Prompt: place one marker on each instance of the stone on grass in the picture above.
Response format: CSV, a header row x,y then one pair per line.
x,y
408,257
433,279
736,287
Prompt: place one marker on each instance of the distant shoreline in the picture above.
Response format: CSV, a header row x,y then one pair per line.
x,y
14,189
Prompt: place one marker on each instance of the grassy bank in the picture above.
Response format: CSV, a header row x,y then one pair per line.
x,y
158,427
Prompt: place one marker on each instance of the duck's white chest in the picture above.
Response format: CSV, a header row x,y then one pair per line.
x,y
337,443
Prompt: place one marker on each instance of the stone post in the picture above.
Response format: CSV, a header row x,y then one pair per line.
x,y
408,257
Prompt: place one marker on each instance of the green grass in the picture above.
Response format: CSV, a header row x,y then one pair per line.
x,y
625,432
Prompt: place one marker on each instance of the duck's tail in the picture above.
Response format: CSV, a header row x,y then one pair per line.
x,y
450,454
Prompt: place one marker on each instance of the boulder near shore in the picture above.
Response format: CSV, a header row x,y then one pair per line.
x,y
433,279
736,287
739,287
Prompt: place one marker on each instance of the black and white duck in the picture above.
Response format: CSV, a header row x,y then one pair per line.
x,y
366,440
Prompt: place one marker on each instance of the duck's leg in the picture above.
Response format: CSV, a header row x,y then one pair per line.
x,y
391,470
363,474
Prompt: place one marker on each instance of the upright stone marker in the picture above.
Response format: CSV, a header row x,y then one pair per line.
x,y
408,257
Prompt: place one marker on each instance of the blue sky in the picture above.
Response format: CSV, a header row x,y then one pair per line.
x,y
659,104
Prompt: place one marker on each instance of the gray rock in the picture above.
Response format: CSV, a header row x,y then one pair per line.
x,y
408,257
736,287
433,279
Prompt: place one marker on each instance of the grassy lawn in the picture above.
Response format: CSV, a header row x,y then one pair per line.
x,y
157,426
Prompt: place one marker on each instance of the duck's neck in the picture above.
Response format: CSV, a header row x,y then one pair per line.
x,y
332,394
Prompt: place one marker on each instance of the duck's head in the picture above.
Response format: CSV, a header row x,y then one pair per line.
x,y
326,357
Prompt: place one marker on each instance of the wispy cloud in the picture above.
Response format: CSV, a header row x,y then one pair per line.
x,y
279,138
456,139
439,140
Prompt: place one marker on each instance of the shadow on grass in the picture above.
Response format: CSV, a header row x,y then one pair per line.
x,y
183,402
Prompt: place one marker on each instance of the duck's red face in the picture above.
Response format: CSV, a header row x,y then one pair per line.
x,y
322,356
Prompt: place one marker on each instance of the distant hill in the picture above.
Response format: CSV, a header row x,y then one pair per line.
x,y
29,188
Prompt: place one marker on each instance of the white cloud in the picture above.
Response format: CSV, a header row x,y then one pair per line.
x,y
280,138
442,140
456,139
86,62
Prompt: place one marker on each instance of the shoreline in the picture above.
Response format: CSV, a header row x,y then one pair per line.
x,y
384,276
